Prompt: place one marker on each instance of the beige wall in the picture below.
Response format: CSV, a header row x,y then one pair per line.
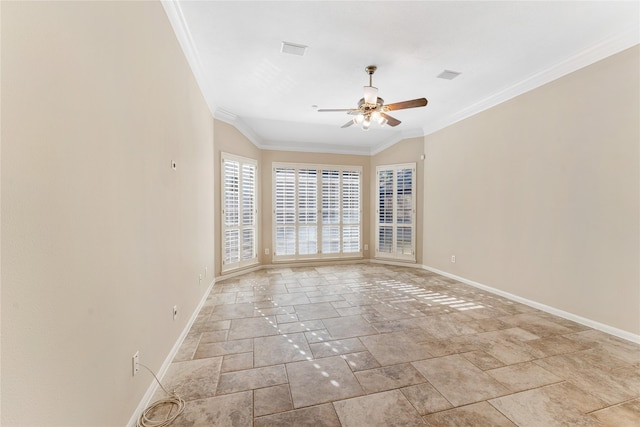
x,y
406,151
100,237
539,196
229,140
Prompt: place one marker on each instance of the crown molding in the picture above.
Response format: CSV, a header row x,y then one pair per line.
x,y
176,19
401,136
241,126
316,148
615,44
608,47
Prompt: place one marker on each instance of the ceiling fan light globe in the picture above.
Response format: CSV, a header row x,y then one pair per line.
x,y
370,95
382,121
376,116
358,119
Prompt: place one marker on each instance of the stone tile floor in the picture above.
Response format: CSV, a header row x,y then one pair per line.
x,y
371,345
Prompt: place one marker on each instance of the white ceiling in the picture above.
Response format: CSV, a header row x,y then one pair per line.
x,y
502,49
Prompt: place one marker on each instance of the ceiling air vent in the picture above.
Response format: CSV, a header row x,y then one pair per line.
x,y
448,75
293,49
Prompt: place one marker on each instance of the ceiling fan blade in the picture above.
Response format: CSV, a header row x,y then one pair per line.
x,y
346,125
391,121
333,110
420,102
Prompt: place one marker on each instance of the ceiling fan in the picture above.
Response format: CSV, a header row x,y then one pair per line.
x,y
373,108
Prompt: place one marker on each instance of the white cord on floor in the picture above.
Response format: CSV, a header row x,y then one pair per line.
x,y
174,400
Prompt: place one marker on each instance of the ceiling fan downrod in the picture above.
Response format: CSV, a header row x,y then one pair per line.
x,y
370,70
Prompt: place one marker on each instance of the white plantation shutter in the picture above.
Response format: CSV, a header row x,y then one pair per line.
x,y
239,196
307,211
350,212
231,246
330,211
395,213
404,211
317,212
385,212
231,212
285,211
249,210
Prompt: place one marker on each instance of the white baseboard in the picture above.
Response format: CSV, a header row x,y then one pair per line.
x,y
578,319
552,310
315,263
237,273
395,263
146,399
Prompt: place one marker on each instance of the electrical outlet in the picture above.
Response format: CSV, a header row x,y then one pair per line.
x,y
366,247
175,312
200,276
135,363
266,251
453,259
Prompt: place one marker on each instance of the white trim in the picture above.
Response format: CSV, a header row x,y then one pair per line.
x,y
241,162
319,226
600,51
176,18
394,262
607,47
146,399
552,310
401,136
241,126
334,256
395,225
578,319
235,273
620,333
319,147
386,144
315,263
318,166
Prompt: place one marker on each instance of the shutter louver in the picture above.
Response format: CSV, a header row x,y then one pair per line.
x,y
395,236
330,212
317,211
350,212
239,212
307,211
285,212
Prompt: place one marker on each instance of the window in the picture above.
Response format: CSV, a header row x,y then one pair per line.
x,y
317,211
239,212
396,213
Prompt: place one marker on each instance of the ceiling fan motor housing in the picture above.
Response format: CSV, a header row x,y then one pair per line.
x,y
365,107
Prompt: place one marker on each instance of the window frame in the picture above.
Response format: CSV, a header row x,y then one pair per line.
x,y
395,252
321,213
240,226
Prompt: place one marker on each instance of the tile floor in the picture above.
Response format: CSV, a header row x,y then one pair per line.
x,y
371,345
